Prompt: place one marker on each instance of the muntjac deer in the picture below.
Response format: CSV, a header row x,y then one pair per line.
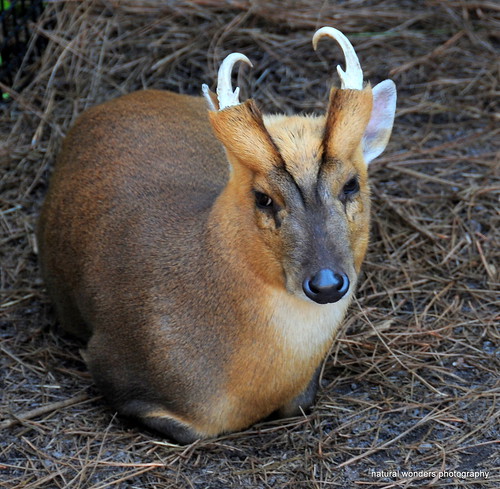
x,y
209,279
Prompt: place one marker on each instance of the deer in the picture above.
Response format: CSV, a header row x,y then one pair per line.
x,y
207,253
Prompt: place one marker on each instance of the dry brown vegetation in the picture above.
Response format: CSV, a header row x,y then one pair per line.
x,y
412,382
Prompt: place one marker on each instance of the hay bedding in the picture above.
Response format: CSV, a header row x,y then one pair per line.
x,y
412,382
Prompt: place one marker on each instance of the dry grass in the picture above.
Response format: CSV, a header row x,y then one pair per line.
x,y
412,382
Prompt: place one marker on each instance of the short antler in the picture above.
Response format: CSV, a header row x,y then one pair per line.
x,y
352,77
225,95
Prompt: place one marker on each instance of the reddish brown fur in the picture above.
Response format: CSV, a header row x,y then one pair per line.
x,y
242,132
155,253
346,120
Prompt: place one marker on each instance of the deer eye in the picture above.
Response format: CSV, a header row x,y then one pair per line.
x,y
263,201
351,187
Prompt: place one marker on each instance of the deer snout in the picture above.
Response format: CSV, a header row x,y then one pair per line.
x,y
326,286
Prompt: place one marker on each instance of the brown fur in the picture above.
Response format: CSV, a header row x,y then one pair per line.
x,y
189,296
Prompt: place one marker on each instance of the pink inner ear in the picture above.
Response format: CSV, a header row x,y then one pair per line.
x,y
378,130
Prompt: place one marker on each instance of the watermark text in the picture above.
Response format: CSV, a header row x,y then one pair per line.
x,y
430,474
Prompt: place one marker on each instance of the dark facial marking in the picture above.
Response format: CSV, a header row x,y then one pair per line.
x,y
282,175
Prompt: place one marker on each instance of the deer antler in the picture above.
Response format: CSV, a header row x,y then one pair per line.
x,y
225,94
352,77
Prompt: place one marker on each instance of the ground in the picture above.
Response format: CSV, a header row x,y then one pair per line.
x,y
411,384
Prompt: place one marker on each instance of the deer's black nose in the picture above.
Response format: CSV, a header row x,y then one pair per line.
x,y
326,286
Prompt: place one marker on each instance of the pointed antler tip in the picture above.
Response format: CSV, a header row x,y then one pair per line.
x,y
322,32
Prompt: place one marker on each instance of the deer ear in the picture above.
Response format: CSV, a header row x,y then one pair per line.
x,y
241,130
379,128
